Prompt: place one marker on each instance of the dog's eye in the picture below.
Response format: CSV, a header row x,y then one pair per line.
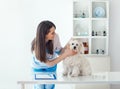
x,y
76,44
72,43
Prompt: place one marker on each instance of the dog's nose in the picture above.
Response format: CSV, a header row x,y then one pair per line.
x,y
74,47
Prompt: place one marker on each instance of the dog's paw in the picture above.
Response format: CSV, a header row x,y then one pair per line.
x,y
65,74
74,75
87,74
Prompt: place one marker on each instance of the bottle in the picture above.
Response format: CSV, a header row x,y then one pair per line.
x,y
83,15
92,33
97,51
85,47
104,33
96,34
103,51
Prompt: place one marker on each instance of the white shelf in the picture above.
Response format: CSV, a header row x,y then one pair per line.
x,y
100,19
81,18
80,37
93,25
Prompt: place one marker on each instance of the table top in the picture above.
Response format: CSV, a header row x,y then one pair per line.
x,y
103,77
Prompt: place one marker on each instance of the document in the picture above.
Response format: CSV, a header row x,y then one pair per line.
x,y
45,76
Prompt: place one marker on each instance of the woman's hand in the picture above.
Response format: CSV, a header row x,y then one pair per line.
x,y
69,52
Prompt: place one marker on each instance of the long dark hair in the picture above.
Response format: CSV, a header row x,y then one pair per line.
x,y
39,45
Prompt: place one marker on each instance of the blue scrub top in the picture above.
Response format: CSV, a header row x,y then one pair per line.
x,y
38,66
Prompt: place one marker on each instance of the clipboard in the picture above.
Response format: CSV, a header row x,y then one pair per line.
x,y
45,76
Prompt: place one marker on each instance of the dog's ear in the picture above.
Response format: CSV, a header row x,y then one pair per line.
x,y
81,48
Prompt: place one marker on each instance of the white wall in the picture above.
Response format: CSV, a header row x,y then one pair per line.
x,y
114,37
115,34
18,23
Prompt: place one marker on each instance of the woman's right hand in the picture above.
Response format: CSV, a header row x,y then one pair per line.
x,y
69,52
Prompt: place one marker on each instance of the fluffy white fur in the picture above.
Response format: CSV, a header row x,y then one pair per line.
x,y
76,65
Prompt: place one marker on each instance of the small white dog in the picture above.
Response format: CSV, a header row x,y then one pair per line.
x,y
76,65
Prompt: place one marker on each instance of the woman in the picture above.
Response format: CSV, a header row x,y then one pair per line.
x,y
45,48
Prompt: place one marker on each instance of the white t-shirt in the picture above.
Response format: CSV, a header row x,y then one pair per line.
x,y
56,43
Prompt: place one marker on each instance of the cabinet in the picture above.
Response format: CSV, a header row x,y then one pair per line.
x,y
91,25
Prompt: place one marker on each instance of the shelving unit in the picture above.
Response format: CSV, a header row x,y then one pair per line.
x,y
91,25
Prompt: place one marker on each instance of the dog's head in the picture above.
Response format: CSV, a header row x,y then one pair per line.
x,y
76,46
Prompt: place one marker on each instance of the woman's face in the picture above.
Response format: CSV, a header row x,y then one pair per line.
x,y
51,34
